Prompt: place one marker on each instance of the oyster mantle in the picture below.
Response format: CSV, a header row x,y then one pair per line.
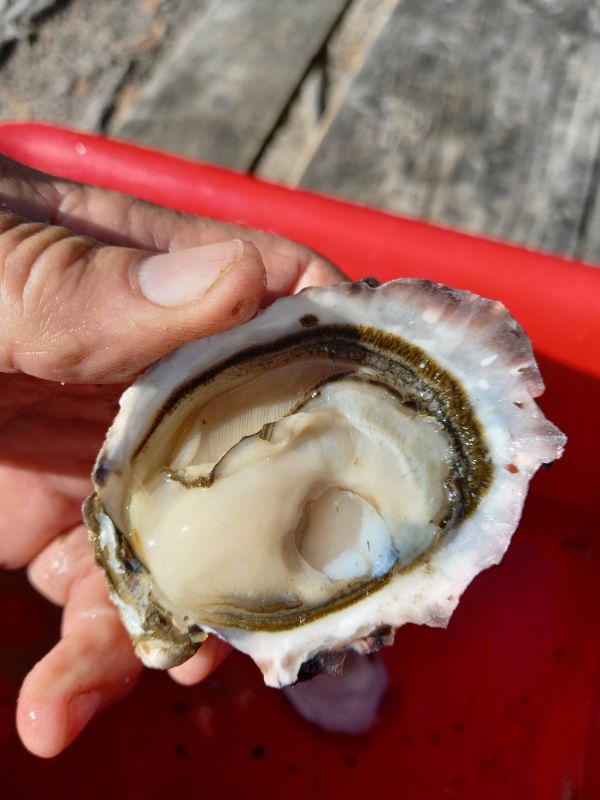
x,y
303,485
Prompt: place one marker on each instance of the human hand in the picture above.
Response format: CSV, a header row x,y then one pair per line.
x,y
84,309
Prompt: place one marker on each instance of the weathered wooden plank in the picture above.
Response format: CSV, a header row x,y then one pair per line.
x,y
84,55
588,246
476,114
310,111
17,17
220,94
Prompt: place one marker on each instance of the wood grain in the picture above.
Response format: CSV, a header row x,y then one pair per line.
x,y
16,18
224,87
480,115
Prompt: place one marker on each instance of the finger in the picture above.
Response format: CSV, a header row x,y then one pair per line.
x,y
66,559
120,220
33,505
76,311
91,667
212,653
319,273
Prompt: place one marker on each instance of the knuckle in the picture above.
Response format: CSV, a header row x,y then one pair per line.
x,y
35,257
40,267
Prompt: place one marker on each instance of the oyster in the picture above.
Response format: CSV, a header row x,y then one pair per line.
x,y
302,485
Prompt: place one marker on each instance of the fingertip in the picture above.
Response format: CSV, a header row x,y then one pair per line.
x,y
48,719
212,653
91,667
319,272
238,293
43,725
48,725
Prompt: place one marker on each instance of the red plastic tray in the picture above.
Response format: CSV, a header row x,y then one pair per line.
x,y
506,701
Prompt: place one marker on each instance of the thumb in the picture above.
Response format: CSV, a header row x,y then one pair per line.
x,y
74,310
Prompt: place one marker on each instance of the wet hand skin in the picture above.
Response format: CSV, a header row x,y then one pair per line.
x,y
84,309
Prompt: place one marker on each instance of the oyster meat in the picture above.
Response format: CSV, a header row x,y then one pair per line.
x,y
304,484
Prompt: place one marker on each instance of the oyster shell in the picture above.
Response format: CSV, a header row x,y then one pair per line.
x,y
302,485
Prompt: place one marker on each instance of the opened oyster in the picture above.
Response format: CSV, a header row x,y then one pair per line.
x,y
343,464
